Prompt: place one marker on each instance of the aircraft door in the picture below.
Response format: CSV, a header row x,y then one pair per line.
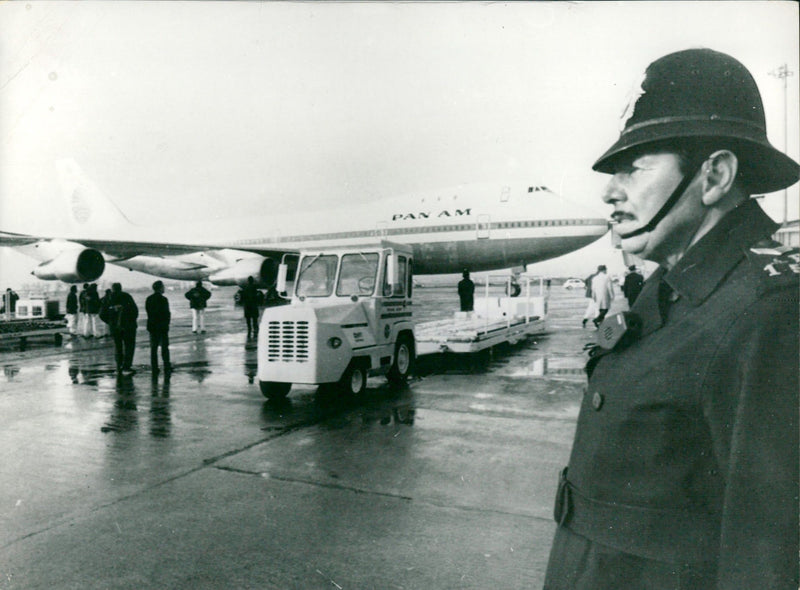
x,y
483,226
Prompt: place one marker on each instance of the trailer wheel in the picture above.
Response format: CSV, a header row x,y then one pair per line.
x,y
354,380
274,389
403,360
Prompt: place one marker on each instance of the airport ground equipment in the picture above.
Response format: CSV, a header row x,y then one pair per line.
x,y
349,318
23,329
496,320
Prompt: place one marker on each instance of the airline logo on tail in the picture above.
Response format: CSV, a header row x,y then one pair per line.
x,y
86,203
81,211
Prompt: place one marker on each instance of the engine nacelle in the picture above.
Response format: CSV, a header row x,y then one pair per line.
x,y
263,270
72,266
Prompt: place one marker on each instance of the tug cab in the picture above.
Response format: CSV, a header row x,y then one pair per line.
x,y
349,318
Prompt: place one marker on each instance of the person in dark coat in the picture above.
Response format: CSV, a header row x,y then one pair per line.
x,y
10,300
91,328
251,299
72,309
632,285
121,313
684,466
158,317
83,302
466,292
198,296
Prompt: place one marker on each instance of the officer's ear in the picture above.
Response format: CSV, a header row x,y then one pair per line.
x,y
719,174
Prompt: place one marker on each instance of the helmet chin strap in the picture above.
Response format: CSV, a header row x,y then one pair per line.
x,y
669,204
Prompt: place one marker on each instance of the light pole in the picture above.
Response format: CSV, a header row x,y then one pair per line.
x,y
784,72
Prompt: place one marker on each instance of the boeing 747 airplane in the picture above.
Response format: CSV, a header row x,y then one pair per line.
x,y
480,227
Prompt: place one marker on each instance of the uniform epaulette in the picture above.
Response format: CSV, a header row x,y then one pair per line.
x,y
778,266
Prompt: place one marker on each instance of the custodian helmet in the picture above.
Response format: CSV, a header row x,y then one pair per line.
x,y
696,95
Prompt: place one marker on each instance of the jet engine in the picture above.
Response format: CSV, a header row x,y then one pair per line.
x,y
263,270
72,266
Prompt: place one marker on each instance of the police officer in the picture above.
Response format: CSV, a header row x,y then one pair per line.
x,y
684,467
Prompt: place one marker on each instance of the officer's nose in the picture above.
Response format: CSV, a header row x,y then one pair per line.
x,y
613,192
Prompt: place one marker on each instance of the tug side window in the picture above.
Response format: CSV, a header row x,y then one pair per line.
x,y
400,284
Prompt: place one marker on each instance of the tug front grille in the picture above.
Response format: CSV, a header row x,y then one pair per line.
x,y
287,342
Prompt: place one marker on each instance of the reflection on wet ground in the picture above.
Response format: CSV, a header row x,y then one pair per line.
x,y
199,360
467,445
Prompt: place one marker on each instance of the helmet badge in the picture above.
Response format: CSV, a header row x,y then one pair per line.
x,y
633,96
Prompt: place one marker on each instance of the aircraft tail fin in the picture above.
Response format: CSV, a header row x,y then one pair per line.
x,y
87,206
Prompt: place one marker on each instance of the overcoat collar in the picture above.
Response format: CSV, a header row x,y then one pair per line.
x,y
703,267
705,264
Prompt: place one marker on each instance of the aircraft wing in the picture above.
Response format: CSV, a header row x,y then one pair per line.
x,y
123,249
11,239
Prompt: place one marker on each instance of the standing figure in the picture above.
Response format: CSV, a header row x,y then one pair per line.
x,y
513,288
251,299
684,467
10,300
602,293
591,307
72,309
158,317
91,328
466,292
198,296
120,313
83,302
103,302
632,285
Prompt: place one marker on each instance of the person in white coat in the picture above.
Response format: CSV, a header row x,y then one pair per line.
x,y
602,293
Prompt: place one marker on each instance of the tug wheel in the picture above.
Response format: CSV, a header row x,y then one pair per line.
x,y
403,360
274,389
354,380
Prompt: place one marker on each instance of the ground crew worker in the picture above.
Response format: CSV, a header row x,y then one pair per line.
x,y
10,301
120,313
632,285
602,292
91,328
158,317
466,292
591,307
83,302
684,467
251,299
72,309
198,296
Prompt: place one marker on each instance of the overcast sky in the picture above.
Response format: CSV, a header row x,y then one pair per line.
x,y
200,110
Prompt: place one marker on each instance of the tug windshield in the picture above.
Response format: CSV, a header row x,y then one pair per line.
x,y
358,273
317,275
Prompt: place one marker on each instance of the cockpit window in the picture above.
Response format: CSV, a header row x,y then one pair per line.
x,y
317,275
358,273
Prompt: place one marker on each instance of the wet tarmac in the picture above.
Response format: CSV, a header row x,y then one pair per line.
x,y
194,480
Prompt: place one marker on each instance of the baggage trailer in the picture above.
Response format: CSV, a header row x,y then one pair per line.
x,y
496,320
24,329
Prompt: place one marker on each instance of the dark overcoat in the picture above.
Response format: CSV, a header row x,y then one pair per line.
x,y
686,447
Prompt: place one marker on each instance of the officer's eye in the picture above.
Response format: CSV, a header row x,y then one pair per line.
x,y
624,168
